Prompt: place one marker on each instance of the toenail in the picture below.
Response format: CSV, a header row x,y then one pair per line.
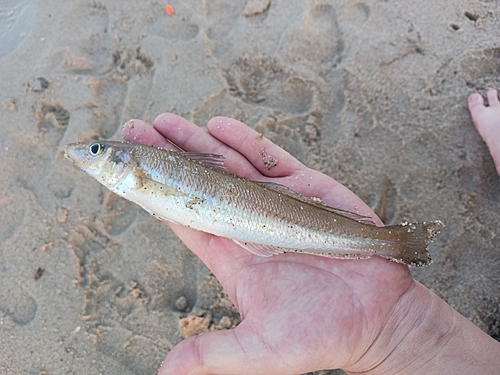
x,y
475,97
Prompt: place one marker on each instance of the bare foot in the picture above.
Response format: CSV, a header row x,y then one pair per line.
x,y
487,121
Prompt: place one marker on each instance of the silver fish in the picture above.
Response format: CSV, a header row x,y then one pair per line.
x,y
196,190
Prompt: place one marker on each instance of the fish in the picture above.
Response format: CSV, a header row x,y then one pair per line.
x,y
265,218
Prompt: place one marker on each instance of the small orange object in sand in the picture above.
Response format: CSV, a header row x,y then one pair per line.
x,y
170,10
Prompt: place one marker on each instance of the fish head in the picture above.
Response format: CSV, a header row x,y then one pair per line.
x,y
108,162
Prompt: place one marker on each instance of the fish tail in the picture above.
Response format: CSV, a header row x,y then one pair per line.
x,y
413,239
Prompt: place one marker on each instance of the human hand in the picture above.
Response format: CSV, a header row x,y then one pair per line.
x,y
300,313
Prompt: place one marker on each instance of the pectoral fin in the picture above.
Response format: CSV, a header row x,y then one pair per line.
x,y
261,250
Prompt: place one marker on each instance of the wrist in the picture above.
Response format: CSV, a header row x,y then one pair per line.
x,y
424,335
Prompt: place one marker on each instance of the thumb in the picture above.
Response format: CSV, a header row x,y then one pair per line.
x,y
233,352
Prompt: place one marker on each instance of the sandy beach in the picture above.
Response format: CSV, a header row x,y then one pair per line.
x,y
372,93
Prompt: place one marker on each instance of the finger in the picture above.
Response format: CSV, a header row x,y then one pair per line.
x,y
268,158
137,131
231,352
492,96
192,138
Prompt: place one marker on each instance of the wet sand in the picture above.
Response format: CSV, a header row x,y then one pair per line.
x,y
371,93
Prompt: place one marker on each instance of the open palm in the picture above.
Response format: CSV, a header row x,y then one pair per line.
x,y
299,312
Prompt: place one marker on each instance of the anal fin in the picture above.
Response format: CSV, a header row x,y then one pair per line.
x,y
268,250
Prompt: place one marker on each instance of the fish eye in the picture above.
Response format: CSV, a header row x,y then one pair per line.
x,y
96,149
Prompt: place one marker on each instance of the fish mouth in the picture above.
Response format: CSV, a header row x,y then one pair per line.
x,y
77,153
70,151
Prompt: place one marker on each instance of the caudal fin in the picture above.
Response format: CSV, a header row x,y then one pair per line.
x,y
413,241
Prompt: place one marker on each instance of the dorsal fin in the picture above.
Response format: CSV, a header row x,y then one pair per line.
x,y
210,160
282,189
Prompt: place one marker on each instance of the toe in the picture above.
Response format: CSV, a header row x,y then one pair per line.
x,y
492,96
475,100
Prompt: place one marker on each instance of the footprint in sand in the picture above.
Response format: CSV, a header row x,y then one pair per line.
x,y
279,76
53,120
316,45
175,29
289,77
18,303
478,71
259,80
120,214
116,94
140,68
123,317
89,54
481,69
87,244
354,17
14,207
175,288
117,80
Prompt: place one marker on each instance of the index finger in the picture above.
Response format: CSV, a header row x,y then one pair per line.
x,y
268,158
